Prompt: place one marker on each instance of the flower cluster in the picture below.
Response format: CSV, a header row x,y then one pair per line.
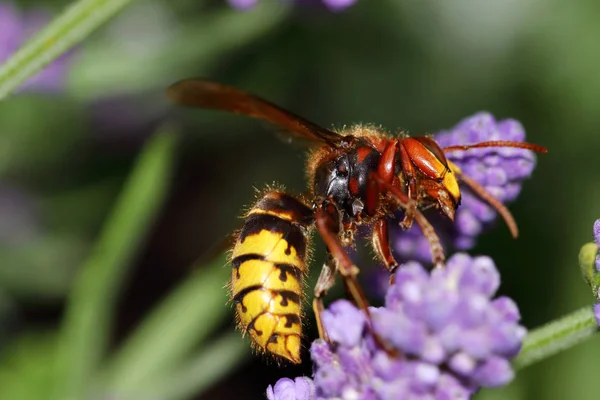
x,y
333,5
452,337
597,240
500,171
15,29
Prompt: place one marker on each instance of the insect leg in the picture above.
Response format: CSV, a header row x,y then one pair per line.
x,y
381,245
327,223
488,197
437,251
409,173
324,283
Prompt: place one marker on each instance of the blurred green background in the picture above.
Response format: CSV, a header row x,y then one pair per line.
x,y
160,314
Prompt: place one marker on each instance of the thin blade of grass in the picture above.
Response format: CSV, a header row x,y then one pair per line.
x,y
87,322
203,369
69,28
177,326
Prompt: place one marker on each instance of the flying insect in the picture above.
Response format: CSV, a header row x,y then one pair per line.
x,y
357,176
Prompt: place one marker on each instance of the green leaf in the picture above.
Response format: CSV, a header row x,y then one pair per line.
x,y
87,323
204,369
24,372
164,339
69,28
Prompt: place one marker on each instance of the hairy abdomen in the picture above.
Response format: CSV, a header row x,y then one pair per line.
x,y
268,268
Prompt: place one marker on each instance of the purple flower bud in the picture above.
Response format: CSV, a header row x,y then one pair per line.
x,y
493,372
597,232
597,312
332,5
462,363
445,354
302,388
242,4
338,5
500,170
344,323
506,309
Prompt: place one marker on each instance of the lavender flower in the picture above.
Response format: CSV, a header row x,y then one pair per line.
x,y
596,231
597,240
500,171
242,4
15,29
301,388
333,5
452,336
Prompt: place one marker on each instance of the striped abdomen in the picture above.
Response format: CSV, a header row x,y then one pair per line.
x,y
269,263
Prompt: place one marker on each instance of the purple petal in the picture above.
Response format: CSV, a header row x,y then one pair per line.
x,y
330,380
495,371
344,323
11,30
476,343
506,339
305,388
449,388
338,5
242,5
320,352
597,232
482,277
425,375
405,334
285,389
433,352
462,363
507,309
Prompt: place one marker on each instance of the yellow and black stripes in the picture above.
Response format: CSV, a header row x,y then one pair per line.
x,y
269,264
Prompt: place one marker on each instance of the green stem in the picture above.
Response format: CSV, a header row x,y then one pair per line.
x,y
557,336
72,26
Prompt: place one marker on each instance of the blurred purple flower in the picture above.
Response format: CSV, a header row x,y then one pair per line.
x,y
242,4
596,231
500,171
597,240
453,336
15,28
333,5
